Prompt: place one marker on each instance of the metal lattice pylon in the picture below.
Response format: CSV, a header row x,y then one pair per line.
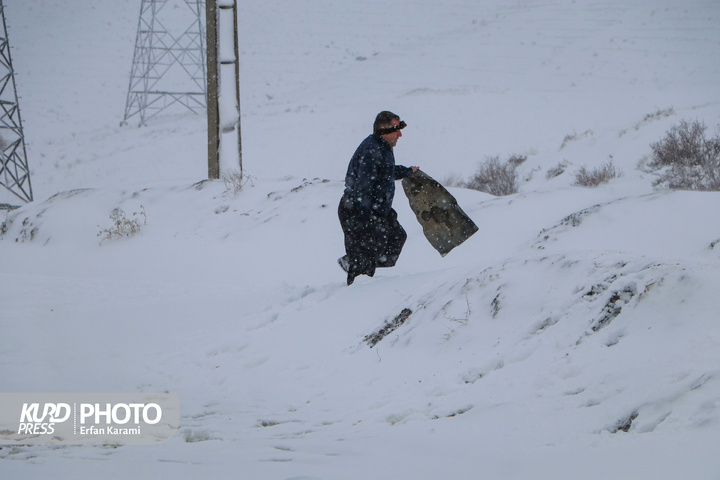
x,y
169,68
14,171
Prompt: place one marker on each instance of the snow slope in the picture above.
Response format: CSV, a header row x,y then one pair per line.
x,y
573,315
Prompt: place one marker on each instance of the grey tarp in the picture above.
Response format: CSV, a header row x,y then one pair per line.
x,y
444,223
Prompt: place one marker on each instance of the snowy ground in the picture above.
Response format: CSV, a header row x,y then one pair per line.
x,y
572,315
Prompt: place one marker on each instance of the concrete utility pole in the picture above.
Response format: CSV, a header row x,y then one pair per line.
x,y
223,88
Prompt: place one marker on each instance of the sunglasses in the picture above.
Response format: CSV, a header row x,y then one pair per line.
x,y
386,130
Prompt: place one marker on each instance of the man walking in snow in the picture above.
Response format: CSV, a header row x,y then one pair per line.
x,y
373,236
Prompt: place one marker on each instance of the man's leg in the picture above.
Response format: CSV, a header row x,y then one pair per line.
x,y
393,239
360,245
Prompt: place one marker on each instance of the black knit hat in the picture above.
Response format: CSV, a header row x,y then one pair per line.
x,y
383,121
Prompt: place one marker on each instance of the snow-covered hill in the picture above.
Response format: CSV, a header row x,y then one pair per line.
x,y
574,336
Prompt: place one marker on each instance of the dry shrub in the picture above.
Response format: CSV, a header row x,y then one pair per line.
x,y
556,171
598,176
495,177
686,160
122,226
234,181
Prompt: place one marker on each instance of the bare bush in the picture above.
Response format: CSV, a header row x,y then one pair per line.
x,y
556,171
598,176
495,177
234,181
686,160
574,137
517,160
123,226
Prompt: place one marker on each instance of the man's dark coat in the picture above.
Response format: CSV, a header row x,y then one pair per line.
x,y
373,236
370,178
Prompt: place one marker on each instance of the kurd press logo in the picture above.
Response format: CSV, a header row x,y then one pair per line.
x,y
88,419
